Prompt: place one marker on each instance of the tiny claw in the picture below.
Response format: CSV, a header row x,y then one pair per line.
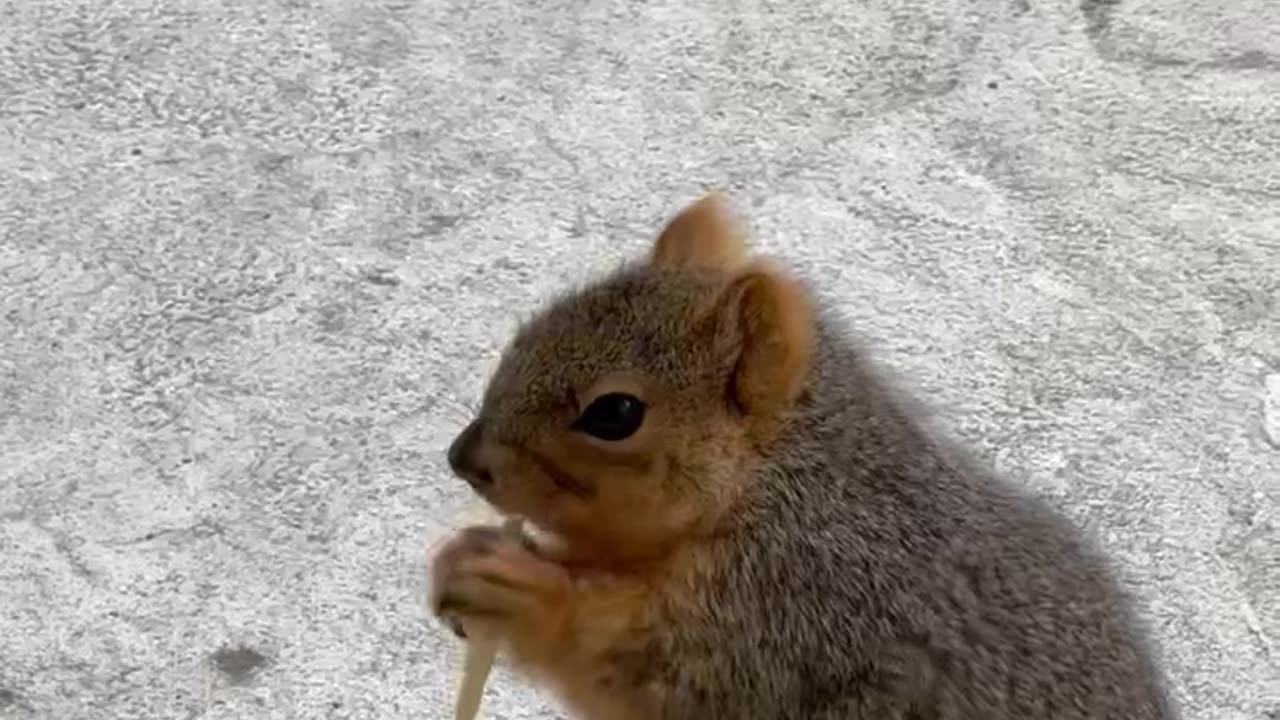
x,y
456,626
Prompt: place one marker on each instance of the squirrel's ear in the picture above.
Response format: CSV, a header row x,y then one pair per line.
x,y
703,236
766,327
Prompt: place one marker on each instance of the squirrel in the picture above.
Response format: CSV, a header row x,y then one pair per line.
x,y
740,519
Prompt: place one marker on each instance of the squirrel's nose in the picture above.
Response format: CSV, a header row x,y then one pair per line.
x,y
464,456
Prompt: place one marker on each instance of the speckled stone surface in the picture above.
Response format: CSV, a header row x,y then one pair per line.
x,y
256,259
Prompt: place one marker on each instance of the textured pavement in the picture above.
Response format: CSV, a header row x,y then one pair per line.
x,y
256,260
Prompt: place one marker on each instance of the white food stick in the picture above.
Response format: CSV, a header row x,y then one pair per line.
x,y
481,652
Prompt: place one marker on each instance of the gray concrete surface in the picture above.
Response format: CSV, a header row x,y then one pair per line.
x,y
256,259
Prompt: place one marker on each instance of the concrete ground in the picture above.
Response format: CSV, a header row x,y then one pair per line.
x,y
256,259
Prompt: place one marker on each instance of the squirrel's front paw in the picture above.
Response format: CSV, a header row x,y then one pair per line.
x,y
482,576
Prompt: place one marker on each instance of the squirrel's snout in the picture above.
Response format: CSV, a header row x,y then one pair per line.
x,y
464,457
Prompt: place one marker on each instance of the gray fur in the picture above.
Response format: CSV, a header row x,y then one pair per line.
x,y
871,573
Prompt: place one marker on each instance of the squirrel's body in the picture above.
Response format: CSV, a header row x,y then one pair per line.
x,y
864,565
805,551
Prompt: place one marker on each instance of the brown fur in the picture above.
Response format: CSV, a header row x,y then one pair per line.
x,y
703,236
778,540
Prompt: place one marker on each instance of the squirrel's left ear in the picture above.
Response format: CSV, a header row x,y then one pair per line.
x,y
703,236
766,331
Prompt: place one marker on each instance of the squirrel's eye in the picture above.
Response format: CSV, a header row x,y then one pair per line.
x,y
611,417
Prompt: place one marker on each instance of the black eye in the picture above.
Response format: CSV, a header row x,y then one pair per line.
x,y
611,417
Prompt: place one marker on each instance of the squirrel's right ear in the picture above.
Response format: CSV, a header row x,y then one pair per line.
x,y
703,236
766,330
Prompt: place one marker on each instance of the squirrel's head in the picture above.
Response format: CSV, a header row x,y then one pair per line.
x,y
626,415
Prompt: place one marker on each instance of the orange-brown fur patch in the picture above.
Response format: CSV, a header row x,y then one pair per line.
x,y
703,236
769,322
610,612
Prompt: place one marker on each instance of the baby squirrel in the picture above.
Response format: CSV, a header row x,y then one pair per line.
x,y
746,524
